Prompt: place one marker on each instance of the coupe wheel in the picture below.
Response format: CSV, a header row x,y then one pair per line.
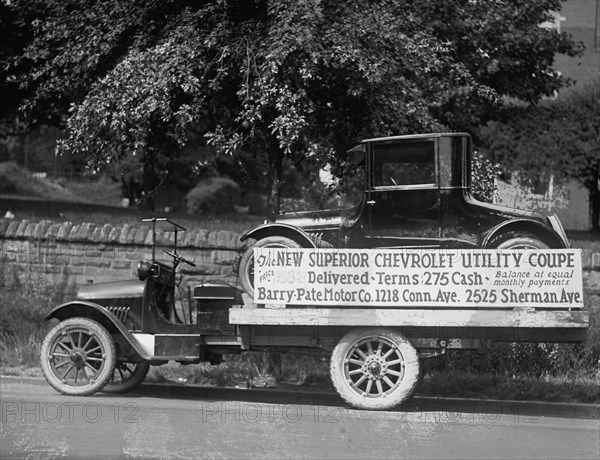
x,y
375,368
78,357
126,377
246,270
517,240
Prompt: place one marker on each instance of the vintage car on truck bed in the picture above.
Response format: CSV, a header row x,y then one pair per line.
x,y
417,194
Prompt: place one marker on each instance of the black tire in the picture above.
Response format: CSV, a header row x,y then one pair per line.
x,y
126,377
246,269
517,240
78,357
375,368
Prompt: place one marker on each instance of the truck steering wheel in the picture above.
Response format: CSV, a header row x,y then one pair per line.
x,y
179,258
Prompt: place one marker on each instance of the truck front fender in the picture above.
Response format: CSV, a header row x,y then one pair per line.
x,y
279,229
101,315
545,233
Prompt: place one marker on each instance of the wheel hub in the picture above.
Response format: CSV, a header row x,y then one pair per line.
x,y
78,358
374,367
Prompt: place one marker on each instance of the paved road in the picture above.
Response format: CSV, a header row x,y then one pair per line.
x,y
38,423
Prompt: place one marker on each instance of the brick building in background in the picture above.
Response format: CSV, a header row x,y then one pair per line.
x,y
580,18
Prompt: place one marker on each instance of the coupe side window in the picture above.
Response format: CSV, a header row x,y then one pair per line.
x,y
404,164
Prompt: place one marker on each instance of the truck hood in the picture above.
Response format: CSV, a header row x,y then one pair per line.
x,y
112,290
313,220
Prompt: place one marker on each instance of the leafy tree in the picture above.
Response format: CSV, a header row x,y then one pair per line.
x,y
14,24
503,47
304,79
561,137
580,159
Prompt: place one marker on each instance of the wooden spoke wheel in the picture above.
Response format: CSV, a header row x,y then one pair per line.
x,y
78,357
126,377
375,368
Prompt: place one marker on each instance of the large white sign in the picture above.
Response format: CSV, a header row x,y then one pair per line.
x,y
549,278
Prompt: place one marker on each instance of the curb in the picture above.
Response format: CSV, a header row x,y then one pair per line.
x,y
449,405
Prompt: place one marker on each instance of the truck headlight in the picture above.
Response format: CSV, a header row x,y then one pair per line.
x,y
144,269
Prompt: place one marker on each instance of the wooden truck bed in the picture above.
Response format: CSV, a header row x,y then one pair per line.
x,y
501,325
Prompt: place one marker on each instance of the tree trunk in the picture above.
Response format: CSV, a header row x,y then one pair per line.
x,y
149,182
275,173
595,204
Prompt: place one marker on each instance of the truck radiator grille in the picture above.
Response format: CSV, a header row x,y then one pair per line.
x,y
120,312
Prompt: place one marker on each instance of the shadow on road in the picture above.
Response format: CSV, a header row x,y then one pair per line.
x,y
493,408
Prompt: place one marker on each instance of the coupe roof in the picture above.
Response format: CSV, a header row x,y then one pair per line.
x,y
412,136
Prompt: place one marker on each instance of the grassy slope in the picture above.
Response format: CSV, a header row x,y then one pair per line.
x,y
15,180
61,212
29,197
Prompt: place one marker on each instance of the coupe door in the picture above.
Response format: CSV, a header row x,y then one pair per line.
x,y
403,194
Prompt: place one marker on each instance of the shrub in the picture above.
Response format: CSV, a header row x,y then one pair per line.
x,y
215,195
558,138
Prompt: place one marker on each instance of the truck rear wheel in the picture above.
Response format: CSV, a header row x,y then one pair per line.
x,y
126,377
78,357
246,270
375,368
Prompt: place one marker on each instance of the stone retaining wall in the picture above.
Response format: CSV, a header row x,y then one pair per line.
x,y
83,253
86,252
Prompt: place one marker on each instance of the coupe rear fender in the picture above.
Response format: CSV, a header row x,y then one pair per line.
x,y
545,233
97,313
278,229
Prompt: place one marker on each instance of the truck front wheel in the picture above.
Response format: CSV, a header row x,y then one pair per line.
x,y
78,357
246,270
375,368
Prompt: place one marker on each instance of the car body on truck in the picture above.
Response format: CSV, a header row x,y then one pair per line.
x,y
416,194
416,222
